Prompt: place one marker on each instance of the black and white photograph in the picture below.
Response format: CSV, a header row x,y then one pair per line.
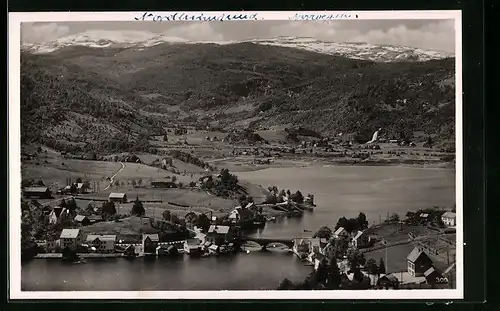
x,y
275,155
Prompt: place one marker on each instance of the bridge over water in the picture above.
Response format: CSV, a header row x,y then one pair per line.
x,y
265,242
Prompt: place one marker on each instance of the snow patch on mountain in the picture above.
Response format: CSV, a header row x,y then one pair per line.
x,y
141,40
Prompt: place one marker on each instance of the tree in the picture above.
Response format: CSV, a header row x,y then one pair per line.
x,y
72,206
139,181
117,183
333,275
133,183
297,197
73,189
355,258
137,208
174,178
190,217
192,184
381,267
323,232
371,266
393,218
362,222
108,208
78,180
288,193
342,222
203,222
167,215
40,183
165,137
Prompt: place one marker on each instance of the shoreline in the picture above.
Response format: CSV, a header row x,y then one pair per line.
x,y
243,167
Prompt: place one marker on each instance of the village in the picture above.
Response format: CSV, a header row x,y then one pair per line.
x,y
198,234
423,259
355,249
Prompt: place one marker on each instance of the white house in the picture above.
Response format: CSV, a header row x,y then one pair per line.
x,y
360,240
341,233
71,238
192,247
449,219
102,243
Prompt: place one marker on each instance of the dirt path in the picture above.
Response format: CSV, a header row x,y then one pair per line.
x,y
111,180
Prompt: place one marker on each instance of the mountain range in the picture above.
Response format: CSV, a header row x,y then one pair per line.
x,y
82,97
138,39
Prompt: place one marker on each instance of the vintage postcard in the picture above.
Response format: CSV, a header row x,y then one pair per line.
x,y
235,155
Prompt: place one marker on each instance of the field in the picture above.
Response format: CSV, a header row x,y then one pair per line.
x,y
127,228
56,171
191,197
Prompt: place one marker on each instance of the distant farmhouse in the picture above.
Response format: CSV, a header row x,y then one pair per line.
x,y
449,219
118,197
37,192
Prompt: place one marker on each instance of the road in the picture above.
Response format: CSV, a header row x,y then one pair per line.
x,y
111,180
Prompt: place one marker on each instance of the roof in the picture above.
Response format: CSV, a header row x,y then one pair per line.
x,y
117,195
36,189
193,242
249,205
80,217
449,215
69,233
429,271
153,237
80,185
219,229
94,217
415,254
360,233
103,237
339,231
213,247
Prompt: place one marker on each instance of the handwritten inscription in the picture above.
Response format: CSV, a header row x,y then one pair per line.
x,y
147,16
318,17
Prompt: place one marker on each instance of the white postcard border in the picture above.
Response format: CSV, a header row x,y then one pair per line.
x,y
14,161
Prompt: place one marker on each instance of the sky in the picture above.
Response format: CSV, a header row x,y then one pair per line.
x,y
437,35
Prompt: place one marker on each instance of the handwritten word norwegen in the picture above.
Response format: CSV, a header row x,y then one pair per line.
x,y
195,17
317,17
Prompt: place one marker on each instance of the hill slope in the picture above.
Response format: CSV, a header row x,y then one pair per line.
x,y
112,98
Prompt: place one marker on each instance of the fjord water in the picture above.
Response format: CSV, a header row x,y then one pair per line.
x,y
339,191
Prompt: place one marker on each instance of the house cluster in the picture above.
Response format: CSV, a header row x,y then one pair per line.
x,y
74,188
315,249
244,214
76,239
420,273
218,240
